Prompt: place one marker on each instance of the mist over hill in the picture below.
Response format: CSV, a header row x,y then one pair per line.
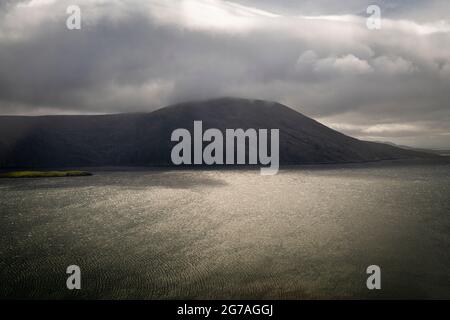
x,y
143,139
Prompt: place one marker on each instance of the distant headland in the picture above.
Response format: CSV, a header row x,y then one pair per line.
x,y
44,174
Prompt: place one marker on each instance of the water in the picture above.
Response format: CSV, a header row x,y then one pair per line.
x,y
307,232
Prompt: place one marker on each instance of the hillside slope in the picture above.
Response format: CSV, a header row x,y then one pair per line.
x,y
137,139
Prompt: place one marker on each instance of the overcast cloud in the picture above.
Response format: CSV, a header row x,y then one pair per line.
x,y
318,57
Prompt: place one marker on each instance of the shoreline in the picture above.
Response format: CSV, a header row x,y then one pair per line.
x,y
86,170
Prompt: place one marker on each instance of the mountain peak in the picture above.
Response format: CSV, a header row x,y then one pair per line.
x,y
145,138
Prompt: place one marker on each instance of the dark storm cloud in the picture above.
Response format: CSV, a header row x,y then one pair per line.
x,y
316,56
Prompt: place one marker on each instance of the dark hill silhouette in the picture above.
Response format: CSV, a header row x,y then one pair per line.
x,y
143,139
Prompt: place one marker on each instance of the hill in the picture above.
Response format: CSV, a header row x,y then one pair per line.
x,y
143,139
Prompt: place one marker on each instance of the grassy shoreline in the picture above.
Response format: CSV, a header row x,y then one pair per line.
x,y
44,174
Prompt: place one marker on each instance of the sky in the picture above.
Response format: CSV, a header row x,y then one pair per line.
x,y
318,57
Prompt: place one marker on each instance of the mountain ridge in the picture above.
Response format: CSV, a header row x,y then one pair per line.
x,y
143,139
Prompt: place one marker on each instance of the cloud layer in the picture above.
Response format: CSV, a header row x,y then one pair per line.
x,y
389,84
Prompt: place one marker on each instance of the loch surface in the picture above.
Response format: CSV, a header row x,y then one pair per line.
x,y
307,232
